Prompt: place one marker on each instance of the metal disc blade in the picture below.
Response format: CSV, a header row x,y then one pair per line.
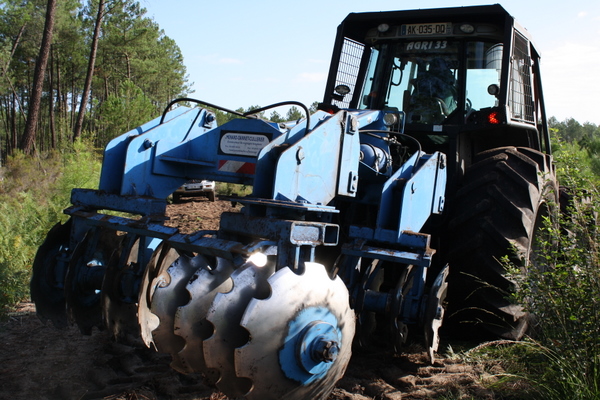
x,y
49,269
119,316
434,313
148,321
83,282
190,320
169,294
366,321
225,314
271,325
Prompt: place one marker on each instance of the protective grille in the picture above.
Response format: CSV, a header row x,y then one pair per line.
x,y
521,96
348,68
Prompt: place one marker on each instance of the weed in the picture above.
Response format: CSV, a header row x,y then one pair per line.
x,y
562,290
33,194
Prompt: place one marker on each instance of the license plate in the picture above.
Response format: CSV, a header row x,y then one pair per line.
x,y
193,186
441,28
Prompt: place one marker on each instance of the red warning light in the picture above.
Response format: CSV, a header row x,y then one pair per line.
x,y
494,117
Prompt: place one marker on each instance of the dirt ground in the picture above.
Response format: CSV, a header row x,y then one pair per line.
x,y
38,361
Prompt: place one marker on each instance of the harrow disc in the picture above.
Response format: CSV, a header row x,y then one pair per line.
x,y
225,314
146,319
49,270
83,282
119,315
398,329
190,319
300,337
366,321
434,313
162,292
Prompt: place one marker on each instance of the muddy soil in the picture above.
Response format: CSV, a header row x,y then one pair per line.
x,y
38,361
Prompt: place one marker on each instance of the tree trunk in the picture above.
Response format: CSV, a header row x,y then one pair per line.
x,y
4,70
35,101
51,103
13,122
90,72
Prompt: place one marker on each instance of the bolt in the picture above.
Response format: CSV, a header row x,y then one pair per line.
x,y
439,312
325,350
331,351
148,144
353,124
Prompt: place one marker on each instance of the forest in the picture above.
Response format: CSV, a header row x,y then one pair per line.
x,y
71,69
74,74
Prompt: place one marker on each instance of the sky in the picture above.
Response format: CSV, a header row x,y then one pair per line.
x,y
241,53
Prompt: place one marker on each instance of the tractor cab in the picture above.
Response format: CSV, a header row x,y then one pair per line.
x,y
448,73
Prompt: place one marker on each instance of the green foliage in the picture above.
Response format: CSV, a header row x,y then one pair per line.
x,y
127,110
294,114
134,48
33,193
233,189
20,218
581,145
562,289
134,55
564,377
574,166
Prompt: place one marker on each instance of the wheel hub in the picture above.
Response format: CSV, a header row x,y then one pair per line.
x,y
311,346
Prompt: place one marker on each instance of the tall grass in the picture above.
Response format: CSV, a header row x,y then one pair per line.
x,y
33,193
562,290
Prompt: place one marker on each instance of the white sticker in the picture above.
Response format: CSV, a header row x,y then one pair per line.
x,y
243,144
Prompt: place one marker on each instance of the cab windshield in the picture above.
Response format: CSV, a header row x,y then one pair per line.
x,y
424,79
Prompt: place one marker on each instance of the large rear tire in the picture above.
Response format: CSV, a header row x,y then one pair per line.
x,y
498,211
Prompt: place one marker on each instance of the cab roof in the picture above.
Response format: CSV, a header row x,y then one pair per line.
x,y
356,25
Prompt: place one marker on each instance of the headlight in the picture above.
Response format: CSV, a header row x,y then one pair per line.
x,y
390,119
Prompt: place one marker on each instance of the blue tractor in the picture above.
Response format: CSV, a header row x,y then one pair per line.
x,y
427,161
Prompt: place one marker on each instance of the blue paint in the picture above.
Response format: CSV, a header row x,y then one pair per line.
x,y
308,334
